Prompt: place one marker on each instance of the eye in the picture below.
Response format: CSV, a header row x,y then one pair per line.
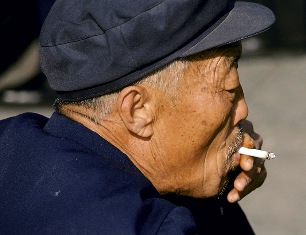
x,y
232,90
232,94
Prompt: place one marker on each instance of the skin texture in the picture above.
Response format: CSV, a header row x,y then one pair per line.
x,y
183,146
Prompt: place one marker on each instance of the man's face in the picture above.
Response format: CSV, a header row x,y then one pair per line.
x,y
194,134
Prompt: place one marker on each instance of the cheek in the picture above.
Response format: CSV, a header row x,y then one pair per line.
x,y
215,107
215,125
202,111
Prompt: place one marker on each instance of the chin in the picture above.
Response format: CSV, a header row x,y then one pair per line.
x,y
231,164
223,186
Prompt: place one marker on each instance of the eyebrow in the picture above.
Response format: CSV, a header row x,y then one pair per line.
x,y
236,48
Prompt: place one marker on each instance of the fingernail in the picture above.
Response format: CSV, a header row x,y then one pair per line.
x,y
250,161
234,197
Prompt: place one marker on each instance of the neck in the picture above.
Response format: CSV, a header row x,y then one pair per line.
x,y
140,151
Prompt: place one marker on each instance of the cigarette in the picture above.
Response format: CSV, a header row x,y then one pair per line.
x,y
257,153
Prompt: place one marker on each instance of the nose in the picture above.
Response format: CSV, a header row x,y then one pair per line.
x,y
240,111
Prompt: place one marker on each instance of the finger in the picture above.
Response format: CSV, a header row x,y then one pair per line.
x,y
258,141
247,127
246,162
247,141
233,196
247,181
239,190
254,177
241,181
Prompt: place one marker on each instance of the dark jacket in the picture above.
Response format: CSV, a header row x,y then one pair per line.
x,y
58,177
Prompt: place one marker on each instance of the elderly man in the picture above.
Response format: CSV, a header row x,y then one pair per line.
x,y
149,118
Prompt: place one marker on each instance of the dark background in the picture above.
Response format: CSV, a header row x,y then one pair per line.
x,y
289,30
21,21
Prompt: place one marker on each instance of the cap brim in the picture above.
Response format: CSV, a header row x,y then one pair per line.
x,y
245,20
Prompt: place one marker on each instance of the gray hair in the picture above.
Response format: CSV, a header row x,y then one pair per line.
x,y
166,79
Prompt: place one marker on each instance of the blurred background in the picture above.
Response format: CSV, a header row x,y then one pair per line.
x,y
273,75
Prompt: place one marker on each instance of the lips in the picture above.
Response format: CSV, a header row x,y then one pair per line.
x,y
236,144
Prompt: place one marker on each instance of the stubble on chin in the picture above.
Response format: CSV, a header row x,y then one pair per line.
x,y
230,166
235,145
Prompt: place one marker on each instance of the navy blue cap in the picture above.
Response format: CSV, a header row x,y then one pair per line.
x,y
91,48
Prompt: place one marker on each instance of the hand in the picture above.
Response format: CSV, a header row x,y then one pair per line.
x,y
253,172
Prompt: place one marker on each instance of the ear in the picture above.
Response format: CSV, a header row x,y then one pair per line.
x,y
133,109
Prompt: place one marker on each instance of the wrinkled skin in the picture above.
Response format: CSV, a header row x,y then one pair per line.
x,y
188,146
191,139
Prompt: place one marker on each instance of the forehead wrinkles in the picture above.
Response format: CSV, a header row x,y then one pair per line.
x,y
211,67
217,70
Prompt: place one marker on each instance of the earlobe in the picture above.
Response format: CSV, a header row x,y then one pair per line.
x,y
132,104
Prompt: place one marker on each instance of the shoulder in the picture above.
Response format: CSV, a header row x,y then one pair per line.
x,y
23,120
179,221
62,184
88,204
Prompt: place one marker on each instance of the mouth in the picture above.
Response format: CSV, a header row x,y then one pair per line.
x,y
233,148
232,161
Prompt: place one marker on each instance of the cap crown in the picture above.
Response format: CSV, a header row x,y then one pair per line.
x,y
93,47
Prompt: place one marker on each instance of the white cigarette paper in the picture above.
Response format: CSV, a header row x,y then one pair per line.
x,y
257,153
